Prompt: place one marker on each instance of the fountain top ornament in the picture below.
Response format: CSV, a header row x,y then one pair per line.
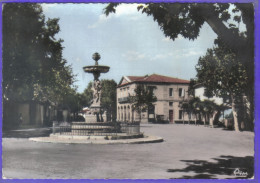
x,y
96,69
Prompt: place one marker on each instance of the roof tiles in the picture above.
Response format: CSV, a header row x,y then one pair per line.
x,y
155,78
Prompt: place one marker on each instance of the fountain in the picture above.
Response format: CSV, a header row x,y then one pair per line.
x,y
95,108
96,129
95,123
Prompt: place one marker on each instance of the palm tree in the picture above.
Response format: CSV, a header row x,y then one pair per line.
x,y
208,110
186,106
195,108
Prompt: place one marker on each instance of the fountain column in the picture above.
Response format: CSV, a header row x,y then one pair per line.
x,y
95,107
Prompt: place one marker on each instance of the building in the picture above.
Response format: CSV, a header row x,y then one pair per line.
x,y
170,92
31,113
199,92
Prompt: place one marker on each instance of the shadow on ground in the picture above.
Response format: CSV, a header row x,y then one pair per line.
x,y
224,165
27,133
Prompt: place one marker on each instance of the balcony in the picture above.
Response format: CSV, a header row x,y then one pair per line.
x,y
123,100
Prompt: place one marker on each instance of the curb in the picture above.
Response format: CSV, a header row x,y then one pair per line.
x,y
147,139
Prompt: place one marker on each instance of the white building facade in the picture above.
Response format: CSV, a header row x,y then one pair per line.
x,y
200,93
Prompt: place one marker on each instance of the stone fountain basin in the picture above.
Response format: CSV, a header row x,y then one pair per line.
x,y
91,126
122,139
93,123
98,137
95,68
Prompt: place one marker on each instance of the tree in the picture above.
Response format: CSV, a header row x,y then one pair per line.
x,y
71,101
33,67
206,109
186,19
142,99
202,108
108,98
191,89
186,107
32,58
221,74
21,49
87,95
195,108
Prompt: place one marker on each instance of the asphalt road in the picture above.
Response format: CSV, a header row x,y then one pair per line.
x,y
188,152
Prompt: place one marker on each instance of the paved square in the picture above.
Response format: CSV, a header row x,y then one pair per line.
x,y
188,152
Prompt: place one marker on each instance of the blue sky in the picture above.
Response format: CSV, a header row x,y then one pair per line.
x,y
130,42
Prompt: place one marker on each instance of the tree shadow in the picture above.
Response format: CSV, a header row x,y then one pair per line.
x,y
243,167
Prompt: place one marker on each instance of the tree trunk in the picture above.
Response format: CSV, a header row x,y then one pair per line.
x,y
233,41
189,116
132,115
205,119
249,114
183,117
235,114
247,57
216,117
32,108
211,121
236,126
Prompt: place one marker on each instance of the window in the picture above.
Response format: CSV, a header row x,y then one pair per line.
x,y
180,114
170,103
170,92
181,92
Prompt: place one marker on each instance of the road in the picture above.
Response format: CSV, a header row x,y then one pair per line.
x,y
188,152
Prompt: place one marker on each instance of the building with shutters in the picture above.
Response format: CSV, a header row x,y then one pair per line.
x,y
170,92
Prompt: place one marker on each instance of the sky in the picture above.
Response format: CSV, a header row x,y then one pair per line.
x,y
130,42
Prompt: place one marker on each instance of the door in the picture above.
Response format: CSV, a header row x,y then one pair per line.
x,y
171,116
151,116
